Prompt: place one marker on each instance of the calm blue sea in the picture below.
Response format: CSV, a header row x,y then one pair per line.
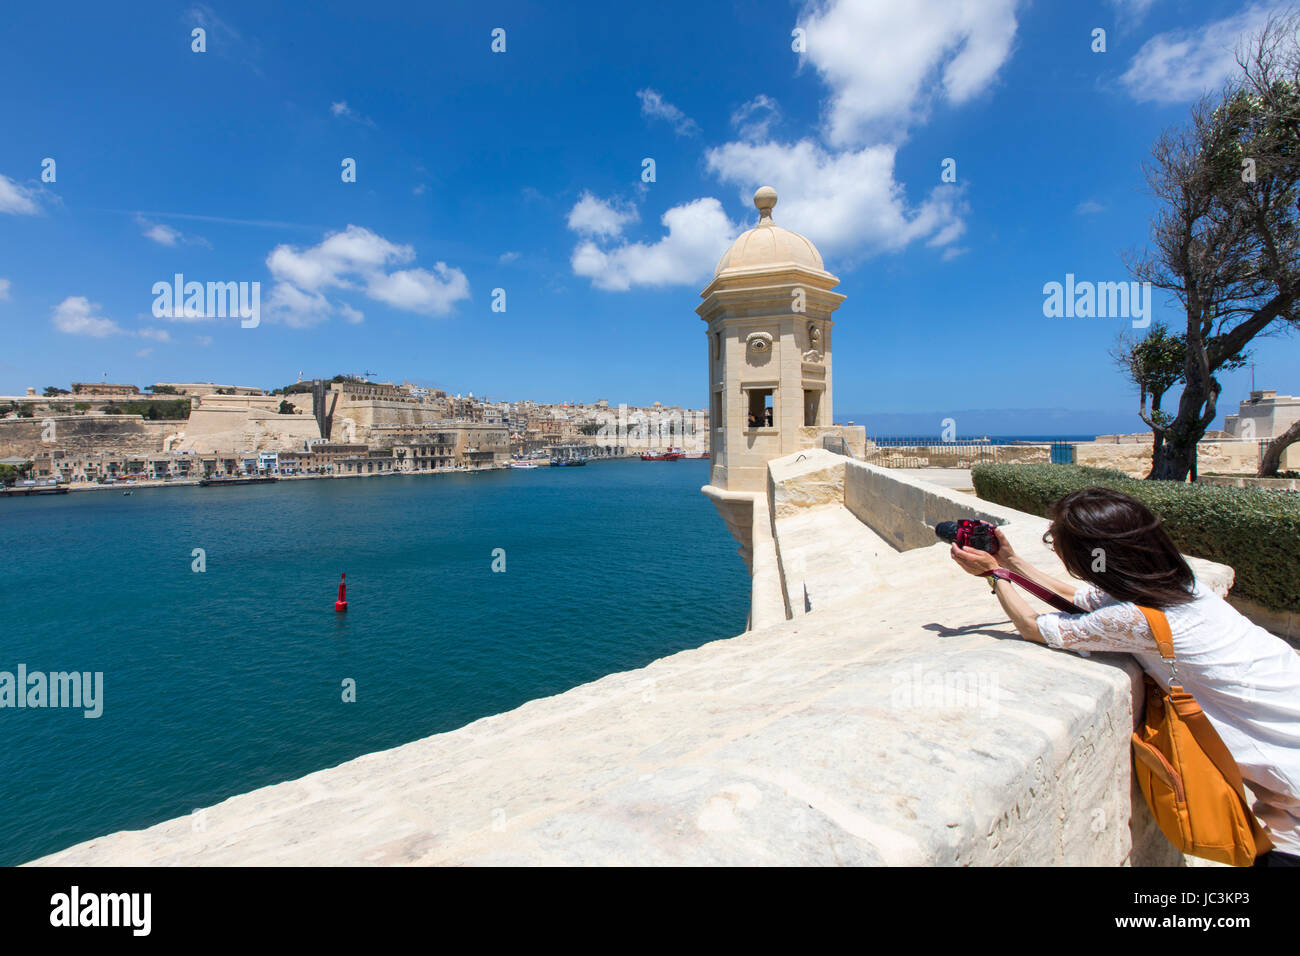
x,y
219,682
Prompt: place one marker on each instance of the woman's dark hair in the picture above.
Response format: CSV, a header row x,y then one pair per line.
x,y
1111,540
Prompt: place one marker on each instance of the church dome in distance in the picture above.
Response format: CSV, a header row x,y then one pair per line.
x,y
767,245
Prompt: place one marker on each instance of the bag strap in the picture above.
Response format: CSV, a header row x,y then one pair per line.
x,y
1159,625
1036,589
1191,714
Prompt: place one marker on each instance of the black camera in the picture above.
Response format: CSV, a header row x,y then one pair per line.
x,y
969,533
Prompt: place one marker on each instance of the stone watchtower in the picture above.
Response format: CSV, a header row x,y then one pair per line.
x,y
768,311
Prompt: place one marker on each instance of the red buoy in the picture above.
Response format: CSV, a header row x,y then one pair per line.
x,y
342,603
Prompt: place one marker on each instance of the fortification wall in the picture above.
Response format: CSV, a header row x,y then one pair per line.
x,y
84,434
367,413
213,428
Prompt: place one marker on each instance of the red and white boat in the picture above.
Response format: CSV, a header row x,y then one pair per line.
x,y
672,454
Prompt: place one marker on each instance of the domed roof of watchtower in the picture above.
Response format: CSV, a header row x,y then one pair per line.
x,y
767,246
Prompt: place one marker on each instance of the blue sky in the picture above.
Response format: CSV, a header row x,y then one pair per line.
x,y
522,170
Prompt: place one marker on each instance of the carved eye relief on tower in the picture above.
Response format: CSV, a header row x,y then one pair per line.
x,y
759,348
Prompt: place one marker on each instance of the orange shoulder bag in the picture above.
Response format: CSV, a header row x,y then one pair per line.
x,y
1189,779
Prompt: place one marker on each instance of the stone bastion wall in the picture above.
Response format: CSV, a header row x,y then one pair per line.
x,y
881,711
84,434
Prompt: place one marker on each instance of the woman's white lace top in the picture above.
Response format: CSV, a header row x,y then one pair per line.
x,y
1246,680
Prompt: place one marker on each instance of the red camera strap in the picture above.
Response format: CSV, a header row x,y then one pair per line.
x,y
1058,602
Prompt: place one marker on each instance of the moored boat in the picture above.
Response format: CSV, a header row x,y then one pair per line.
x,y
223,481
669,455
26,489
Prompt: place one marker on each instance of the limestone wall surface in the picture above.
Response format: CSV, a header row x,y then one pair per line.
x,y
1134,457
895,719
244,427
83,434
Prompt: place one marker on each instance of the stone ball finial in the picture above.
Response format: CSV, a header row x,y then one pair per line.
x,y
765,199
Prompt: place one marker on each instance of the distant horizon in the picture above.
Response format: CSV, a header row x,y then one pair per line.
x,y
992,422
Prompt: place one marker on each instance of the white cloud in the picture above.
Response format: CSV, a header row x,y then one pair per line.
x,y
654,106
1132,11
885,61
357,259
354,251
162,234
419,190
342,109
350,315
204,340
753,120
847,202
4,289
296,308
143,353
698,233
419,290
165,235
76,315
1089,207
507,257
17,200
223,39
596,217
885,65
1180,65
158,335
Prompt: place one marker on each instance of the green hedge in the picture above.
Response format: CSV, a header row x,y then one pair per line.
x,y
1254,530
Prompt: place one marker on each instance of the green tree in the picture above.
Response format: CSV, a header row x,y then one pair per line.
x,y
11,473
52,390
1155,363
1226,237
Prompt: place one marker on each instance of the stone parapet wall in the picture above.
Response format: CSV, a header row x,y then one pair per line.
x,y
1228,481
904,510
1134,457
1022,454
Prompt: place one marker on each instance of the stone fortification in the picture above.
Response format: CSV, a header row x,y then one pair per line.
x,y
252,422
84,434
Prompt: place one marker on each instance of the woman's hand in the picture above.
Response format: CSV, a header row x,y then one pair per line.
x,y
974,561
1006,554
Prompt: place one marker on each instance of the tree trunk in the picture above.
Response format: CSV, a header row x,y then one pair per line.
x,y
1174,458
1273,452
